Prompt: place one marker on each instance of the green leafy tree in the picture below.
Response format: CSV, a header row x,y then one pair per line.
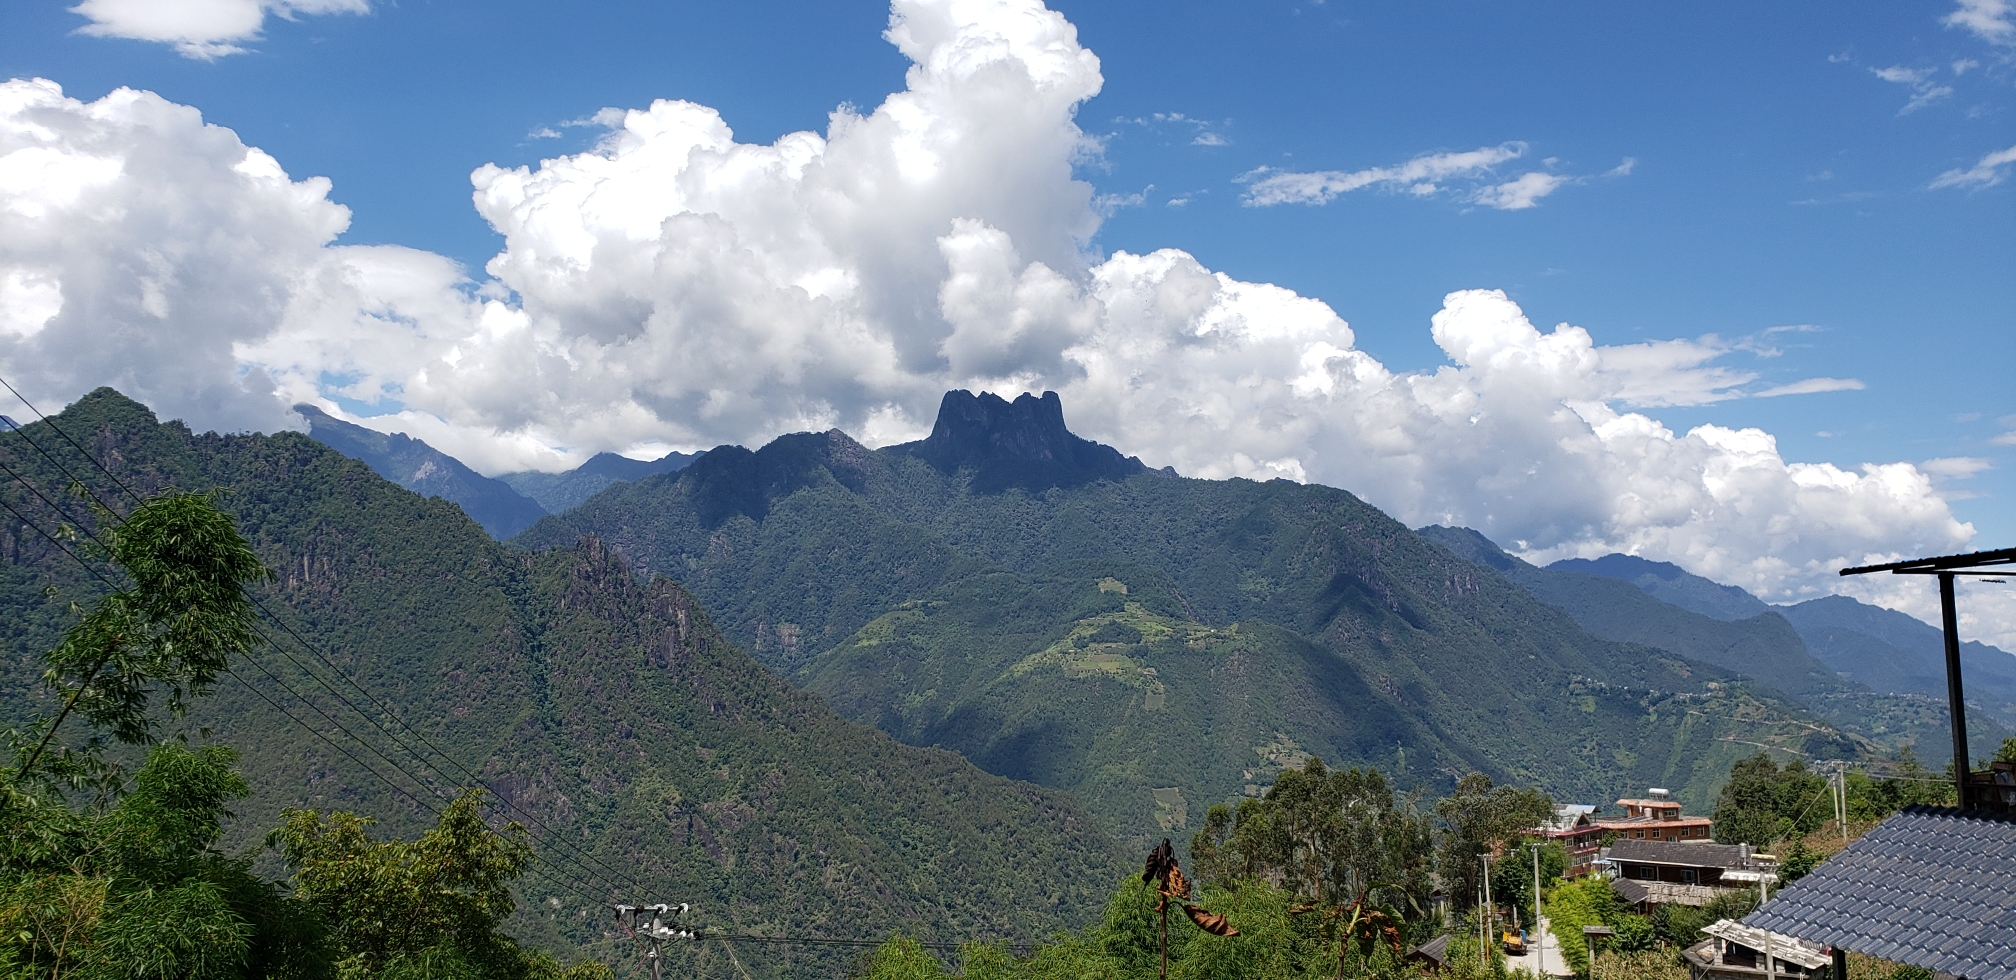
x,y
1681,925
1330,836
1763,802
1512,877
1906,783
173,626
135,885
426,907
1798,861
1586,901
1479,818
141,890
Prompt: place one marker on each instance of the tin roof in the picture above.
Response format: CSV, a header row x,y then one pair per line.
x,y
1933,887
1812,956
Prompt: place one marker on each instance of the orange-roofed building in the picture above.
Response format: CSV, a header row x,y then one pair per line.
x,y
1657,817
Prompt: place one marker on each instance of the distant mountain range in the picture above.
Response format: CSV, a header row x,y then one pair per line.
x,y
561,492
606,706
1059,612
819,554
503,505
1874,671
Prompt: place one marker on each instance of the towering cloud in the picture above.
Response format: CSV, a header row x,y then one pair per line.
x,y
674,286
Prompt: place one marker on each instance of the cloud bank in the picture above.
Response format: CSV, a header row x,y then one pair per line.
x,y
676,287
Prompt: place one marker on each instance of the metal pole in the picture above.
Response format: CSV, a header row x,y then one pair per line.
x,y
1956,701
1487,883
1539,932
657,957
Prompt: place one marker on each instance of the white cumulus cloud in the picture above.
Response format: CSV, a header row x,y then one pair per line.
x,y
676,287
139,246
200,29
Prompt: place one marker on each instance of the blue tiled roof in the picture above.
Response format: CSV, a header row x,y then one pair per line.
x,y
1932,886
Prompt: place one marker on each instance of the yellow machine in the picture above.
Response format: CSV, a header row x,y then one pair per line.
x,y
1514,942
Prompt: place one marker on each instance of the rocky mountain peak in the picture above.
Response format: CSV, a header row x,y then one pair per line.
x,y
1022,443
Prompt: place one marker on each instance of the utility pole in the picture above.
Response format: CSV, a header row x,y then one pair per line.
x,y
1487,897
1539,930
655,932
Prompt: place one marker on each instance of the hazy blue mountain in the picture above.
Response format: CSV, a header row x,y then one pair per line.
x,y
421,468
1762,647
1891,651
1671,584
559,492
1835,656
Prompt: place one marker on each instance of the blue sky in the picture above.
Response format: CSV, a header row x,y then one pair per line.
x,y
1715,169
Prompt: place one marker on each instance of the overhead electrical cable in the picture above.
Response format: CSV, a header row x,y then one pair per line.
x,y
580,853
558,877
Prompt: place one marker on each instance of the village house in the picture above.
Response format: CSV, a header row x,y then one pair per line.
x,y
1574,828
1649,873
1657,818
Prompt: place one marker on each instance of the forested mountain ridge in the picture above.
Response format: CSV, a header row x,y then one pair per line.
x,y
1762,646
1151,642
606,706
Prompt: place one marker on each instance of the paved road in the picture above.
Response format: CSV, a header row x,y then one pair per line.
x,y
1547,955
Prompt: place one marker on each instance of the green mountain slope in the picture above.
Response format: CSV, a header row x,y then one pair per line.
x,y
1890,651
1884,650
608,707
942,590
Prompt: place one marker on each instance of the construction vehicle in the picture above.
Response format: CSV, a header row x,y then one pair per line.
x,y
1514,942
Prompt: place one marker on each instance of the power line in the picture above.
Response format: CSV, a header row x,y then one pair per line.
x,y
555,878
580,854
73,444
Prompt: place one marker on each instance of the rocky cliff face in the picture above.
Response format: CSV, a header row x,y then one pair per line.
x,y
1022,443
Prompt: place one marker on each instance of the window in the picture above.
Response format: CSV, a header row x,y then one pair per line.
x,y
1689,876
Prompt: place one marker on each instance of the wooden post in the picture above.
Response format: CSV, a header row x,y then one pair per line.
x,y
1165,939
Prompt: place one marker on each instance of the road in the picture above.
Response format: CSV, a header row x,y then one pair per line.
x,y
1547,960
